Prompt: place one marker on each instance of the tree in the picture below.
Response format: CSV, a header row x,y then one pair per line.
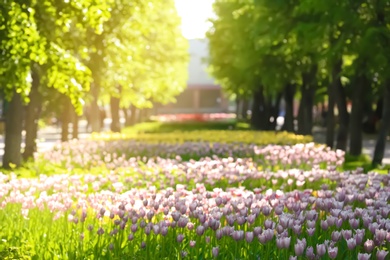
x,y
142,51
30,37
263,47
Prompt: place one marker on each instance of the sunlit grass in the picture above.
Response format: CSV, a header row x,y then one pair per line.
x,y
363,161
222,133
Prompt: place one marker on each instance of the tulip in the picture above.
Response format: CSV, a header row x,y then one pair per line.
x,y
354,223
249,236
347,234
180,238
147,230
310,231
331,220
332,252
364,256
321,249
241,220
368,245
219,234
280,229
297,229
182,222
100,231
310,253
164,230
251,218
150,215
262,238
269,224
283,242
156,229
238,235
266,210
359,238
215,251
311,223
381,254
257,231
336,235
134,228
339,222
324,225
380,235
351,243
175,215
200,230
299,248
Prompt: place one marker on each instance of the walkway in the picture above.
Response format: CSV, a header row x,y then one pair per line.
x,y
369,142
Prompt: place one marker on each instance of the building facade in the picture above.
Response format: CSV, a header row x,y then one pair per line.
x,y
202,95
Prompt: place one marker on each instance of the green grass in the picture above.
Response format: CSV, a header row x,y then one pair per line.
x,y
363,161
166,127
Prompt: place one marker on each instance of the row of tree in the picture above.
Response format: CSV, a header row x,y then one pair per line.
x,y
314,51
67,55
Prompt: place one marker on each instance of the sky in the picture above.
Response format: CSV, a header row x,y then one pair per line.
x,y
194,15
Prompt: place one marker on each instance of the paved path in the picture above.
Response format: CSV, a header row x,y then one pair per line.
x,y
369,142
51,135
48,137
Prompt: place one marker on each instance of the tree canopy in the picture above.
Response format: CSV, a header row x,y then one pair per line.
x,y
259,46
88,50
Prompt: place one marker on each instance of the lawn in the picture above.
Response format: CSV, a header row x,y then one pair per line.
x,y
193,193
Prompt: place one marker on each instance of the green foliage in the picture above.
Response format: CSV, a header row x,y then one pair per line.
x,y
273,42
21,44
135,44
141,57
46,33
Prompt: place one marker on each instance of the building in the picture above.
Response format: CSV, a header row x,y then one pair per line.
x,y
202,95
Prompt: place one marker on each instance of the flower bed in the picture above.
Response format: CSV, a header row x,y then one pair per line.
x,y
193,199
114,154
82,216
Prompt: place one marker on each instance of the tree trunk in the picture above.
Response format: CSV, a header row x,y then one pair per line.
x,y
138,116
341,102
238,107
94,113
256,110
133,115
274,108
301,113
143,115
305,113
265,110
356,124
380,146
65,119
289,93
13,132
329,117
33,111
127,116
244,109
114,107
75,124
